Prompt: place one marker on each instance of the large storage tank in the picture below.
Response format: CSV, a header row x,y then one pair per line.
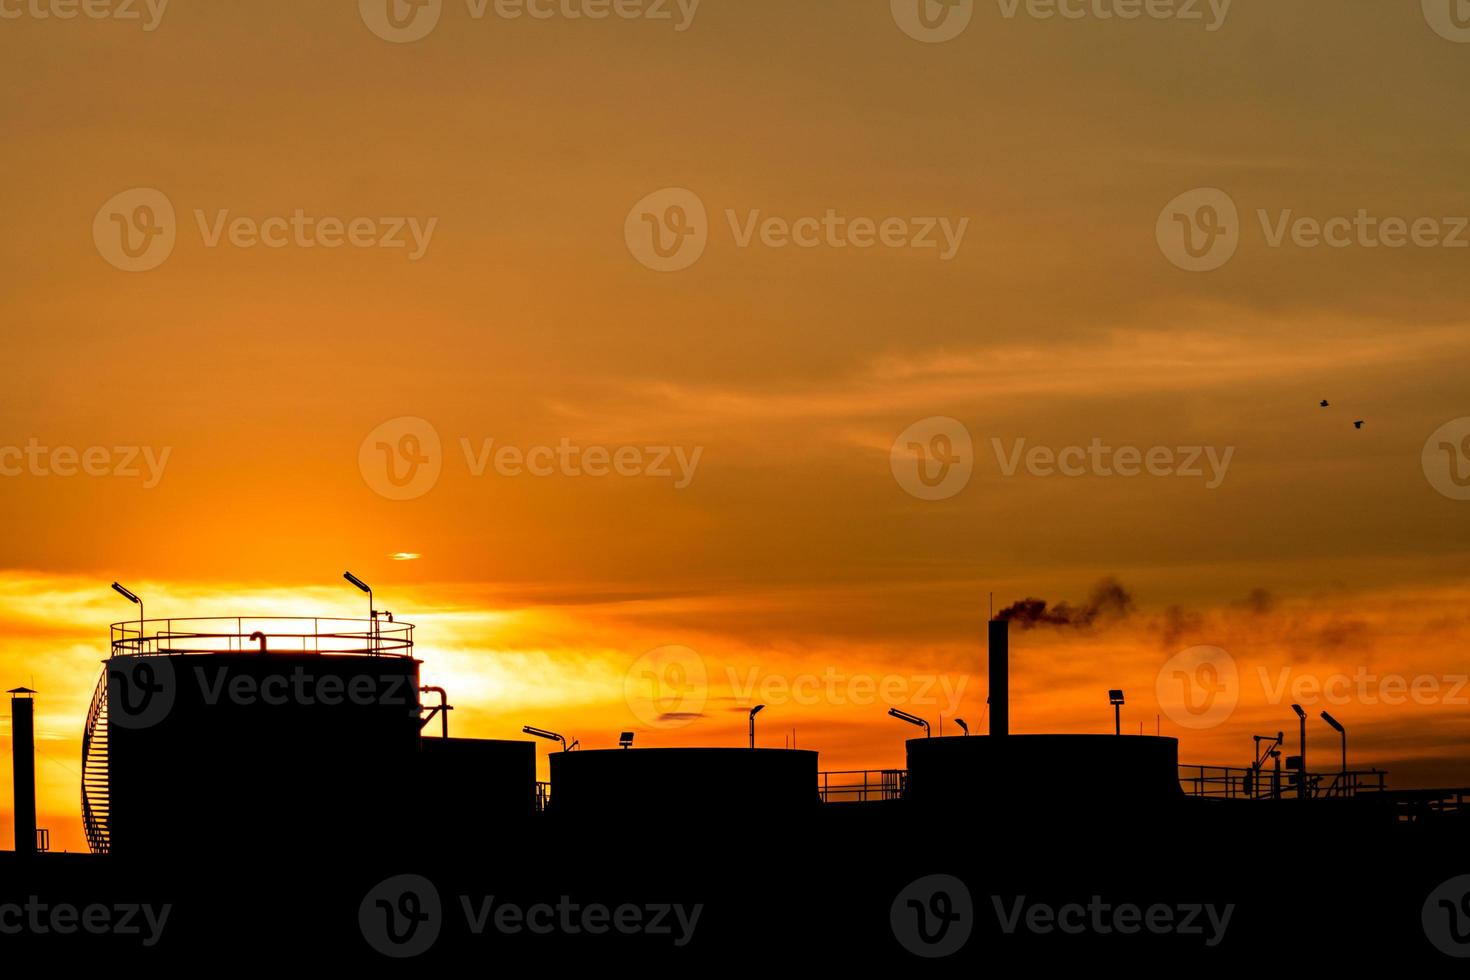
x,y
251,736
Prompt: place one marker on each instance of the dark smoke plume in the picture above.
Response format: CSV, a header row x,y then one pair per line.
x,y
1109,600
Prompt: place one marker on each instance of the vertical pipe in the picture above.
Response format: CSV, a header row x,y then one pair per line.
x,y
1301,788
23,758
1000,677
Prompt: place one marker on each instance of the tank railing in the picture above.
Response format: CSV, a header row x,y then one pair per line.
x,y
861,785
1245,783
273,634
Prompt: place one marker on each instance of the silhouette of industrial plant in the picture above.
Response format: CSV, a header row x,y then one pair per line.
x,y
288,788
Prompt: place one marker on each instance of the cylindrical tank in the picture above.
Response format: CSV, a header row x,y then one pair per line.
x,y
683,781
258,751
1043,772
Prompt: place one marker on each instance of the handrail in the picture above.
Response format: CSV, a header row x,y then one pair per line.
x,y
875,784
274,634
1246,783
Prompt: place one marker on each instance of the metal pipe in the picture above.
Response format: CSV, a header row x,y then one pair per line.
x,y
442,710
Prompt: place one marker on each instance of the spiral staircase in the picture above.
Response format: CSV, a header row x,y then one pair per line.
x,y
95,795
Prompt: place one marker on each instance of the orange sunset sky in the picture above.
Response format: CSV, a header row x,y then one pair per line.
x,y
793,550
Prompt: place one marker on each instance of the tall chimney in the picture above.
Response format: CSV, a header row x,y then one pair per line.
x,y
1000,677
23,757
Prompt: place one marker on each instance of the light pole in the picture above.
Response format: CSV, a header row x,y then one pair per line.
x,y
372,613
1115,698
911,719
753,712
1301,777
542,733
1343,732
132,598
963,727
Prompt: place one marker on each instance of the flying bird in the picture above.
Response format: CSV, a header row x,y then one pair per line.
x,y
1324,403
1358,424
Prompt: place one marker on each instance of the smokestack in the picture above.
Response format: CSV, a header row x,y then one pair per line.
x,y
23,757
1000,677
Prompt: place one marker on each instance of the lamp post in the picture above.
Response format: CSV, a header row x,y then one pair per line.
x,y
372,613
132,598
963,727
1115,698
1337,725
543,733
753,712
911,719
1301,778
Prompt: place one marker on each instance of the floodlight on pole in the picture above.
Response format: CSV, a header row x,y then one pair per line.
x,y
912,720
753,712
372,613
543,733
1301,717
134,599
1337,726
1115,698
